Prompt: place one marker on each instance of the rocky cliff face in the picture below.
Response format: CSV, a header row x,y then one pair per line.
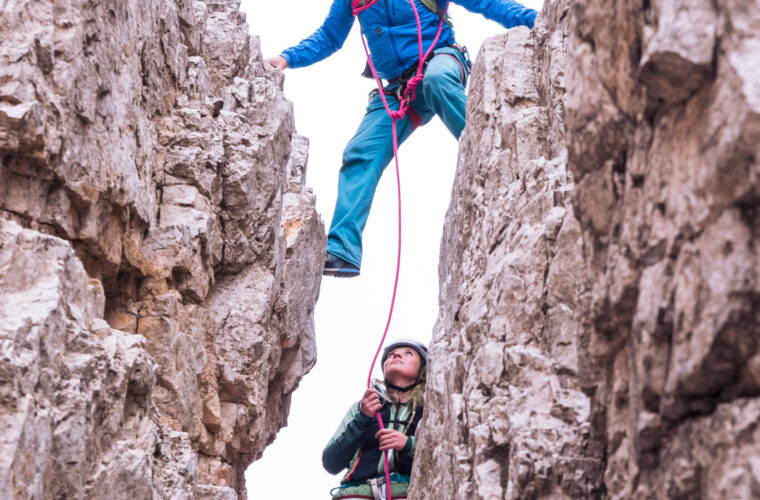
x,y
599,325
159,255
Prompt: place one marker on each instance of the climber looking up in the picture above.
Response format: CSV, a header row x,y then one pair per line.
x,y
391,30
359,443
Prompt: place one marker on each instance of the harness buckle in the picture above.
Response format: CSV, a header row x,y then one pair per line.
x,y
378,492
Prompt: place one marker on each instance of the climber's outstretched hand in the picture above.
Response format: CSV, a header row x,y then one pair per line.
x,y
370,403
391,440
278,62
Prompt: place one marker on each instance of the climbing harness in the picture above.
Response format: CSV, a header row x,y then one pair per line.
x,y
361,489
404,105
397,86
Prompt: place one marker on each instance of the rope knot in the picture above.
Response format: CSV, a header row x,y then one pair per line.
x,y
414,82
398,115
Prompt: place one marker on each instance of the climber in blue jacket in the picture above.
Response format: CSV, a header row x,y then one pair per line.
x,y
391,31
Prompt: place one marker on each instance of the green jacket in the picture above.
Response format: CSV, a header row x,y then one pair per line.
x,y
355,448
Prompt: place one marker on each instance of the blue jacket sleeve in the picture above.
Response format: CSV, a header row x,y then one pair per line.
x,y
326,40
345,442
508,13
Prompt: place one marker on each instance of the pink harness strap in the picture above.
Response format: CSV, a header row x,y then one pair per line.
x,y
404,107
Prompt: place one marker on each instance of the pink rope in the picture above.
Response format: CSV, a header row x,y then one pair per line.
x,y
409,95
360,5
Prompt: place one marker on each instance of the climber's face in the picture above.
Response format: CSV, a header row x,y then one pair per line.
x,y
402,366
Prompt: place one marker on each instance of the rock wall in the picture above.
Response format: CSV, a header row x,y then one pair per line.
x,y
506,415
668,192
160,256
599,324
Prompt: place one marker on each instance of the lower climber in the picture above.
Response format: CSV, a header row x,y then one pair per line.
x,y
392,33
359,443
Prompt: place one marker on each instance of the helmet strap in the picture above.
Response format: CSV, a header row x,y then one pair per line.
x,y
391,385
395,387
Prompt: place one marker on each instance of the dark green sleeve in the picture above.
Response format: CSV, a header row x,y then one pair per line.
x,y
345,442
410,446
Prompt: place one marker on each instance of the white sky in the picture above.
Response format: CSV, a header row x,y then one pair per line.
x,y
329,99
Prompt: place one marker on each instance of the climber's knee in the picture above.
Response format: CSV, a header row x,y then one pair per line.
x,y
437,79
354,151
443,77
366,154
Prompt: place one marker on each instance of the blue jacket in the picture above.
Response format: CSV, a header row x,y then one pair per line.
x,y
391,31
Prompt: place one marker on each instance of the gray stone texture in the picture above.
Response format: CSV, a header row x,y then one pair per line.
x,y
600,312
158,304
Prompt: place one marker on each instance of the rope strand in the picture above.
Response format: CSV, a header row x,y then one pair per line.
x,y
395,115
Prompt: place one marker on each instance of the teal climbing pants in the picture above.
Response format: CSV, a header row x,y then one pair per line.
x,y
441,93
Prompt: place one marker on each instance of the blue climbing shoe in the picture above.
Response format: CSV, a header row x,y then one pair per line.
x,y
335,266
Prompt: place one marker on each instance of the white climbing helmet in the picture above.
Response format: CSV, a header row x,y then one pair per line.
x,y
411,343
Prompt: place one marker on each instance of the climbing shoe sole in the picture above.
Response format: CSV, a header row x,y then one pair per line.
x,y
341,272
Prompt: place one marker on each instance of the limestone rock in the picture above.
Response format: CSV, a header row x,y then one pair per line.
x,y
76,408
673,317
679,52
153,139
506,416
599,290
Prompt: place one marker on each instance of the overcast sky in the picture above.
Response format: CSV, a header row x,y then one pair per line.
x,y
329,99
